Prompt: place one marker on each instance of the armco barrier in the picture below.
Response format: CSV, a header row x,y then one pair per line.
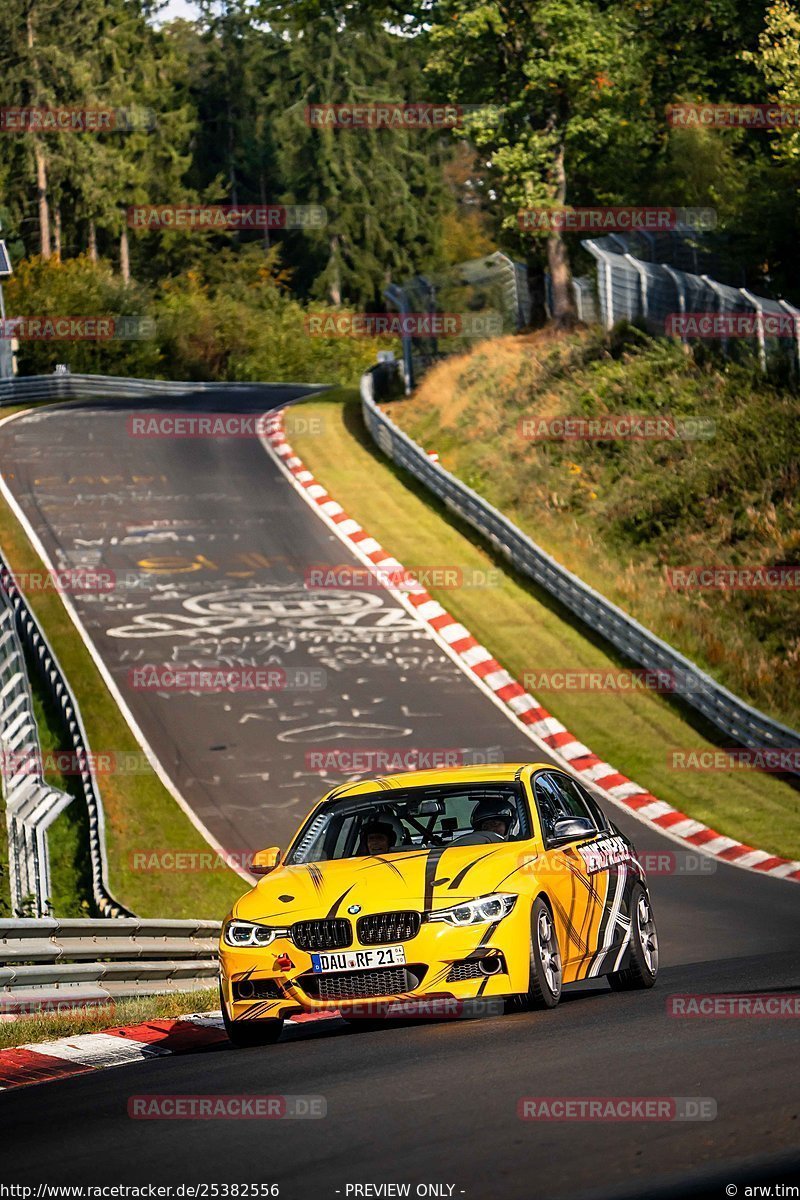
x,y
745,726
31,805
28,388
55,960
54,680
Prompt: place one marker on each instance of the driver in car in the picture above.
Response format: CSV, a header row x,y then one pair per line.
x,y
379,837
493,816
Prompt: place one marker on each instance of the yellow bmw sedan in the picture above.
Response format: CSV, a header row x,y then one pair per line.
x,y
437,887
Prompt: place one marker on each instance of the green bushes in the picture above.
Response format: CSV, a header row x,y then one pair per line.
x,y
78,288
233,321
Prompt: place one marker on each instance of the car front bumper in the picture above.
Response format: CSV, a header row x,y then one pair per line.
x,y
437,960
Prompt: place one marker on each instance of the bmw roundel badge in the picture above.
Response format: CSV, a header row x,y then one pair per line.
x,y
354,908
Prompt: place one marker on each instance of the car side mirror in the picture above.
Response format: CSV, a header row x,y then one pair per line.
x,y
569,829
265,861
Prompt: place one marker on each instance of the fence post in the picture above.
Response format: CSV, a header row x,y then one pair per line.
x,y
640,271
604,283
762,344
609,288
795,315
398,296
675,276
715,288
577,293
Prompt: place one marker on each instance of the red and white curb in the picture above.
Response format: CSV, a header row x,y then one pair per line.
x,y
41,1062
479,664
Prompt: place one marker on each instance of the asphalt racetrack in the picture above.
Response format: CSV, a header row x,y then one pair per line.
x,y
223,545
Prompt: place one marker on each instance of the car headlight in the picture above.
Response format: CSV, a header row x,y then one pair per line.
x,y
476,912
247,933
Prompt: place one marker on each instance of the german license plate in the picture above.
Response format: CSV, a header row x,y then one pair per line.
x,y
358,960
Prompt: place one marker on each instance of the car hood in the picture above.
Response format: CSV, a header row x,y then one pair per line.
x,y
420,879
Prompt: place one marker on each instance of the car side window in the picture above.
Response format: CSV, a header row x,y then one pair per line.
x,y
600,819
572,799
558,796
547,802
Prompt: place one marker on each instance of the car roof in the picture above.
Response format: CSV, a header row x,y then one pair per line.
x,y
489,773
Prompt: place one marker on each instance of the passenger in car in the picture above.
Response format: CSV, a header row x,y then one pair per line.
x,y
493,816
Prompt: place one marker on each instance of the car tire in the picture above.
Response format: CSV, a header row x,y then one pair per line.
x,y
643,967
244,1034
544,989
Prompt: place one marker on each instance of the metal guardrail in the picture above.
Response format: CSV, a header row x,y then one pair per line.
x,y
55,682
31,804
746,726
76,958
106,387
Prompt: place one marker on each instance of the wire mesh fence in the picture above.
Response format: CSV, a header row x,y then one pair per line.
x,y
690,306
484,297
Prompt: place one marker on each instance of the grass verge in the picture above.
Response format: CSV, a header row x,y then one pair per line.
x,y
140,813
44,1027
526,631
626,513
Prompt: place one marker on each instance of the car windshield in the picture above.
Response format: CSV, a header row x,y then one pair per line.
x,y
419,818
